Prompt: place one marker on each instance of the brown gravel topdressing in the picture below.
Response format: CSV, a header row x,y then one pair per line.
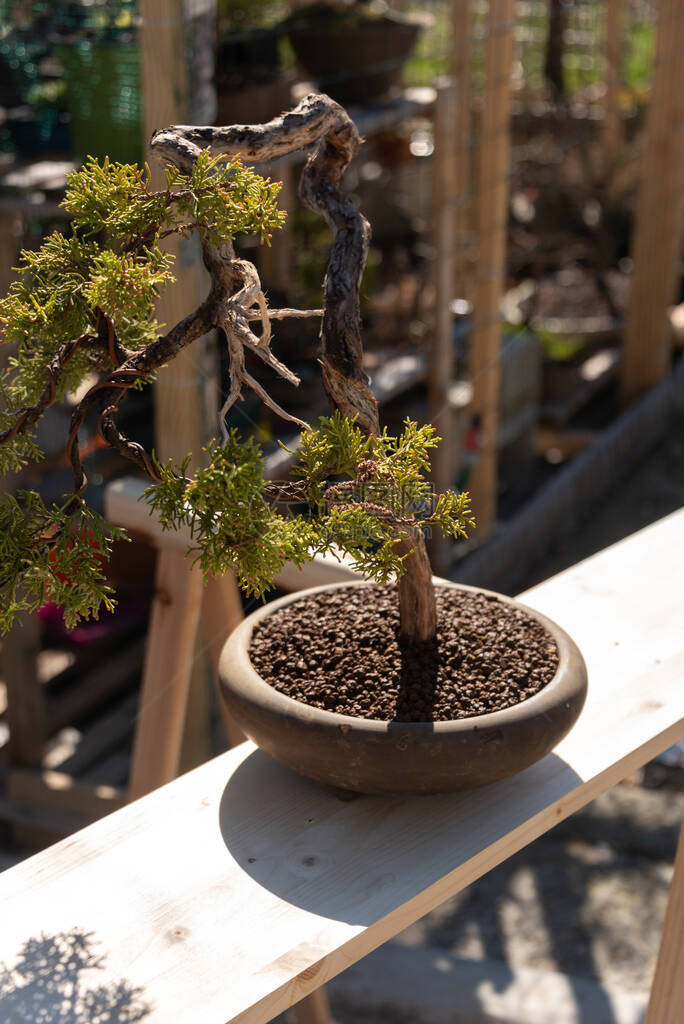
x,y
341,651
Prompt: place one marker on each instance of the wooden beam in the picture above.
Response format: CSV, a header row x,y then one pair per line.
x,y
186,390
59,791
460,72
10,234
275,261
221,612
166,675
492,215
112,671
442,361
667,993
26,714
656,246
612,135
244,887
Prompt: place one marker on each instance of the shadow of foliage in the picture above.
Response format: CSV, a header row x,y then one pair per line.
x,y
52,983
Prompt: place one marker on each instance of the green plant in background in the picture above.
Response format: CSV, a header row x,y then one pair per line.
x,y
83,304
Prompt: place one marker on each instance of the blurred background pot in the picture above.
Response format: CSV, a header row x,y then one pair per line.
x,y
356,52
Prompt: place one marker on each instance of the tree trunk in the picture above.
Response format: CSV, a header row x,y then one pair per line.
x,y
417,609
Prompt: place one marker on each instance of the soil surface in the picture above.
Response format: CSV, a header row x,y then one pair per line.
x,y
342,651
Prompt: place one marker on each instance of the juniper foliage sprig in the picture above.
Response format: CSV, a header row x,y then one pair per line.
x,y
352,494
56,554
84,302
110,263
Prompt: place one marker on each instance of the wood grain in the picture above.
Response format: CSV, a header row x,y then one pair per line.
x,y
492,207
239,888
166,673
442,361
667,993
612,135
647,346
186,390
221,613
460,71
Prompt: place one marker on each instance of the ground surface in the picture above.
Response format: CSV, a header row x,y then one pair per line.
x,y
567,931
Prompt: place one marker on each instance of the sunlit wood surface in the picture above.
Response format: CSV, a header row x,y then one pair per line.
x,y
230,893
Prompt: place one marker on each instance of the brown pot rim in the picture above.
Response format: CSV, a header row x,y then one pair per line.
x,y
567,685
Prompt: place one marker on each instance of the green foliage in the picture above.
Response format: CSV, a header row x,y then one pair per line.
x,y
113,262
232,525
353,494
52,554
384,495
221,197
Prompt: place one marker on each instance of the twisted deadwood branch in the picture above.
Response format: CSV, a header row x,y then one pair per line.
x,y
320,121
236,299
317,121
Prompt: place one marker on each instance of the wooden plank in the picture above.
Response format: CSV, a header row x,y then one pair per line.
x,y
612,135
166,674
275,261
59,791
656,245
492,218
26,714
10,234
179,417
315,1009
246,887
109,731
186,390
444,460
37,826
221,612
460,71
115,671
667,993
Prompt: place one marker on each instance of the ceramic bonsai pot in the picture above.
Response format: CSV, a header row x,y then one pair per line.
x,y
372,756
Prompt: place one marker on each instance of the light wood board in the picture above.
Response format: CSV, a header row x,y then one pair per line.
x,y
234,891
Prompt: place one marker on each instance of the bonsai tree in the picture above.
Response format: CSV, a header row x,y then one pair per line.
x,y
83,304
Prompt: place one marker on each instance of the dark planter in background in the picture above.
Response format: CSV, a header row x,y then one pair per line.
x,y
355,58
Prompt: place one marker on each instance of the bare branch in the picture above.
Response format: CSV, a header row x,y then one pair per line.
x,y
285,314
317,121
55,368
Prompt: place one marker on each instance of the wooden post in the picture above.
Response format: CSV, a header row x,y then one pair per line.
x,y
667,993
25,698
166,674
26,715
315,1009
221,612
612,135
179,419
442,362
275,267
460,71
10,230
492,212
185,392
655,251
